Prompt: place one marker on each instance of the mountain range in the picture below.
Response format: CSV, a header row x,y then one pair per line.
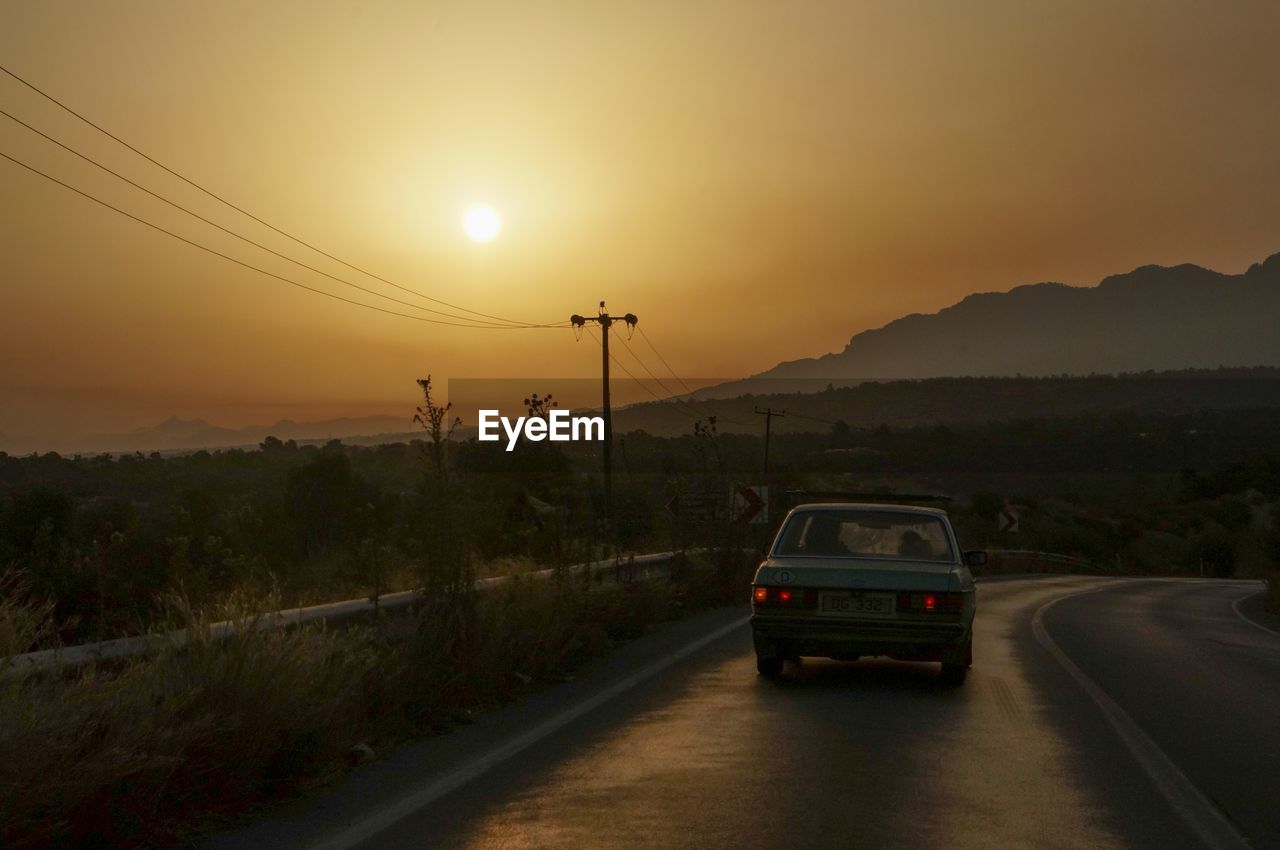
x,y
1152,318
175,434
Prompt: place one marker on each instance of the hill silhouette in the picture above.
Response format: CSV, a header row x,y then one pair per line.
x,y
919,402
1152,318
175,435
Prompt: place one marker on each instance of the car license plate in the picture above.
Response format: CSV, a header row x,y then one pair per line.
x,y
856,604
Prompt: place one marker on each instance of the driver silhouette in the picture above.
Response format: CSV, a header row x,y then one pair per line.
x,y
824,538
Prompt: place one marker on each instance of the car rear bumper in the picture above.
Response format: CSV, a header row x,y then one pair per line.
x,y
831,637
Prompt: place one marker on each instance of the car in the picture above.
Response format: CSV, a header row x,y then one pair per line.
x,y
847,580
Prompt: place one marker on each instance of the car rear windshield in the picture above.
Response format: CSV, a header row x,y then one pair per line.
x,y
865,534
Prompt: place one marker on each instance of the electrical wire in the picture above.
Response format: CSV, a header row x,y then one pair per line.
x,y
791,412
639,382
688,390
683,400
259,220
250,266
649,343
230,232
670,395
671,398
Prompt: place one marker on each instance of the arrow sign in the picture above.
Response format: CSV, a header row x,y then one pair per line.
x,y
1008,520
751,504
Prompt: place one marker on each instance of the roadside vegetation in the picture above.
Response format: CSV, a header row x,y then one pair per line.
x,y
105,538
142,753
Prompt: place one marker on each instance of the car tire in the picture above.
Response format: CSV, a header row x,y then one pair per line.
x,y
954,674
769,666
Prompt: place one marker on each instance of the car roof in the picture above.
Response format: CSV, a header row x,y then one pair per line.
x,y
868,506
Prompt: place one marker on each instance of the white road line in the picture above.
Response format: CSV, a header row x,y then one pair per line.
x,y
1205,819
1235,606
406,806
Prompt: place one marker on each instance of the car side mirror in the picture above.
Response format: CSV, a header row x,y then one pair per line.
x,y
975,558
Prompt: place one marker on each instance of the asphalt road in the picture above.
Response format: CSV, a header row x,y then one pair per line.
x,y
1204,685
705,754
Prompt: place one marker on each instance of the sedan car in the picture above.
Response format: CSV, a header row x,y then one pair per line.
x,y
849,580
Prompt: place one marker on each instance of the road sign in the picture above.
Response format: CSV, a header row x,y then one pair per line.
x,y
750,504
697,507
1008,520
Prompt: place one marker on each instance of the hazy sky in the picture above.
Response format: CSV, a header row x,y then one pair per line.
x,y
756,180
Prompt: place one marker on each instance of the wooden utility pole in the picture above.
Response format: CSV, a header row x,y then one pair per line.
x,y
768,413
605,321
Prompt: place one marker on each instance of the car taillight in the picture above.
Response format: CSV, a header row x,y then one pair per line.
x,y
794,597
930,603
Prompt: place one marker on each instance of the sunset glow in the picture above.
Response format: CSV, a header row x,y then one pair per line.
x,y
482,223
888,159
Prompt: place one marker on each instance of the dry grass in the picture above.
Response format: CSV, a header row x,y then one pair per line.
x,y
25,623
143,754
125,757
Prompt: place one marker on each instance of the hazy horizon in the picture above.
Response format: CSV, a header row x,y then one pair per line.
x,y
756,186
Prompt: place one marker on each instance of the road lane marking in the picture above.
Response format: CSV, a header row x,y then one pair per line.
x,y
390,815
1235,606
1200,813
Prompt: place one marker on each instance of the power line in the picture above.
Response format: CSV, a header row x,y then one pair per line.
x,y
245,212
638,381
230,232
649,343
688,390
670,395
673,398
250,266
813,418
677,404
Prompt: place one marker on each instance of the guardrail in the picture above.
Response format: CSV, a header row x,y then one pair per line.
x,y
632,568
1025,560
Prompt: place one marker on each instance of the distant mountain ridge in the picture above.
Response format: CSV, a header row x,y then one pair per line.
x,y
176,434
916,402
1152,318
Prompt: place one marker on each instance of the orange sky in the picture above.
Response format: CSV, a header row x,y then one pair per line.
x,y
755,180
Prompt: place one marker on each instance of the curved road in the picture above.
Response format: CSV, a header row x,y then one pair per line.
x,y
1201,682
875,754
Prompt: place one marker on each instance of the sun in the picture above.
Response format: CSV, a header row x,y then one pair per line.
x,y
482,223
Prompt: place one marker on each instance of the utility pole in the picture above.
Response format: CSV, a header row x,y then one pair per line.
x,y
768,413
606,321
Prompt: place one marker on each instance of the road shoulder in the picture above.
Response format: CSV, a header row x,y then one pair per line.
x,y
413,769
